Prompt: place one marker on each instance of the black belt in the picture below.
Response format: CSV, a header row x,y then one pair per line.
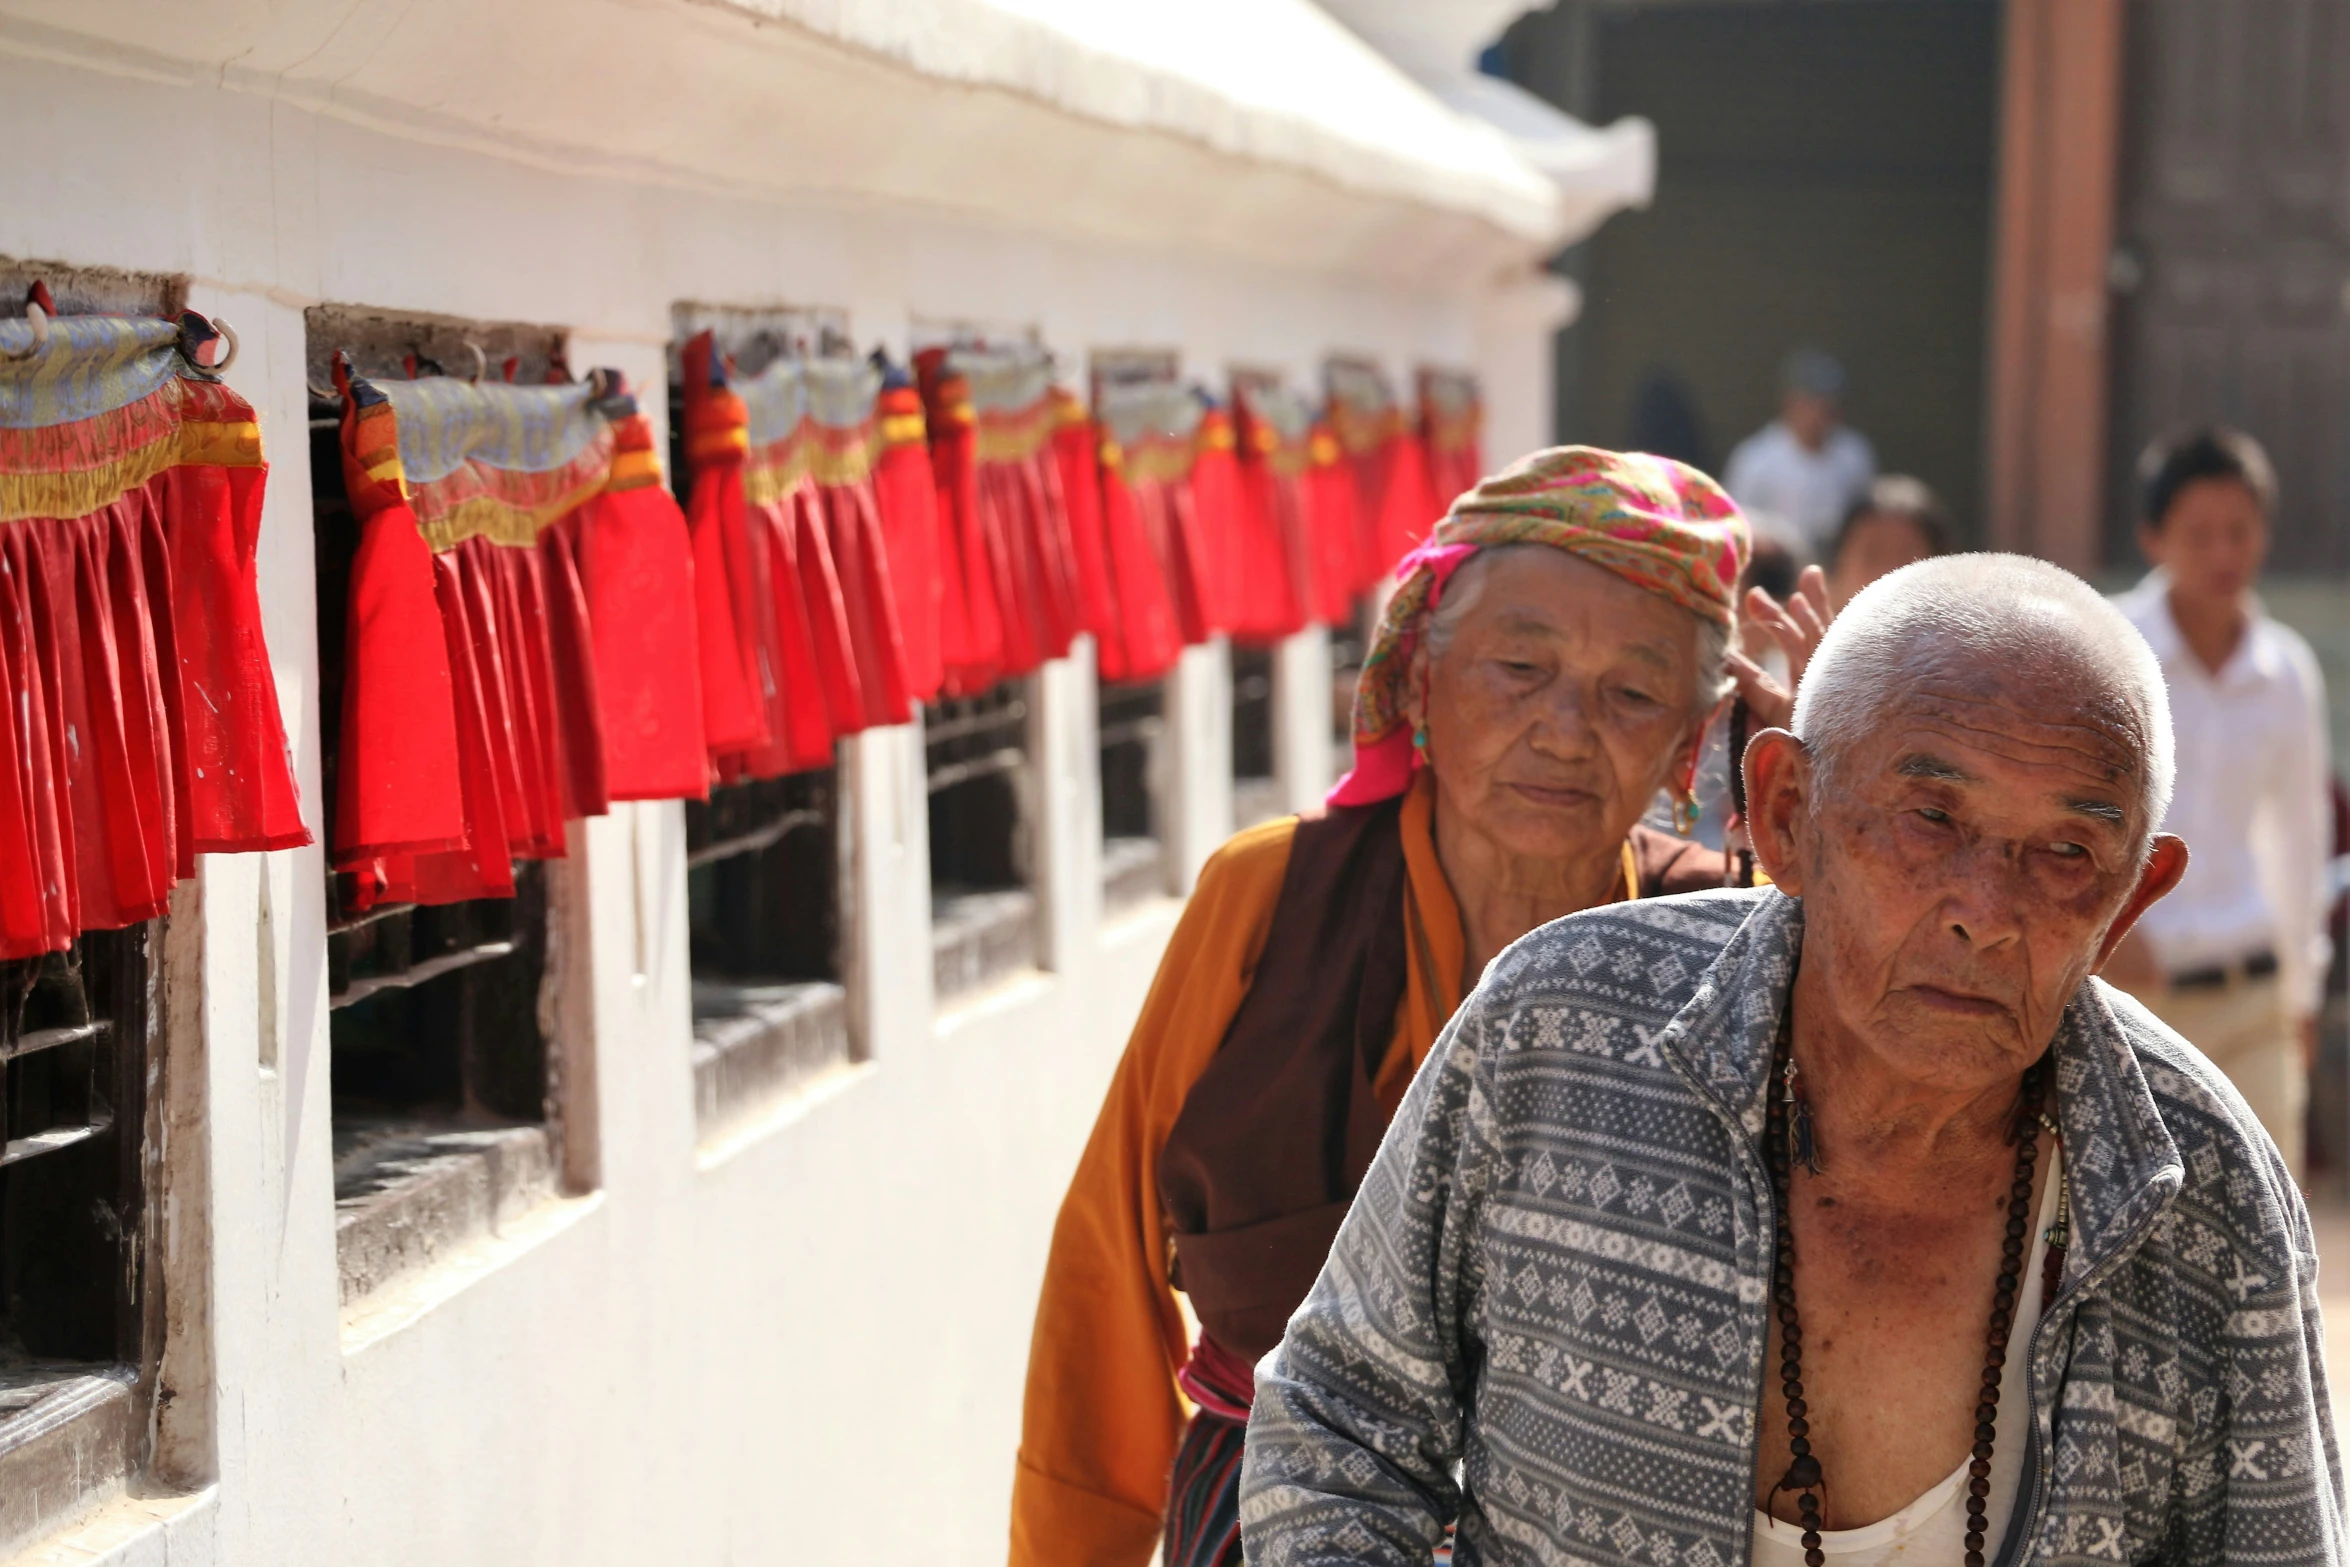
x,y
2219,976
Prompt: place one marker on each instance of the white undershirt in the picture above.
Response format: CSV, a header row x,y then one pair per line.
x,y
1933,1528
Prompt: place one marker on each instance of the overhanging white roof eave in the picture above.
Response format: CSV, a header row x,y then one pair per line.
x,y
1273,81
1258,130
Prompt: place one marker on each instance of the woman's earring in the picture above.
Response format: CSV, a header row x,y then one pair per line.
x,y
1420,741
1685,814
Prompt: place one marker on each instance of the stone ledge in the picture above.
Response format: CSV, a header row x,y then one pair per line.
x,y
159,1529
65,1438
408,1193
754,1044
979,939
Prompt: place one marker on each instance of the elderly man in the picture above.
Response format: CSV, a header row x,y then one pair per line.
x,y
1844,1221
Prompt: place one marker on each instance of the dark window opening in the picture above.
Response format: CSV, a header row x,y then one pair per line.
x,y
1256,791
763,916
436,1009
441,1017
73,1031
1133,728
78,1339
983,915
761,894
977,755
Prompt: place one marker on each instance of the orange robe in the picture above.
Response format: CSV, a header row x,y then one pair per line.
x,y
1102,1415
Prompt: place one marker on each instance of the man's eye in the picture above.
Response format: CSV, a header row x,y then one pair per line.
x,y
1519,667
1933,813
1636,697
2068,851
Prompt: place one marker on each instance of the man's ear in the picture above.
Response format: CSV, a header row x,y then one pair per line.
x,y
2164,866
1778,806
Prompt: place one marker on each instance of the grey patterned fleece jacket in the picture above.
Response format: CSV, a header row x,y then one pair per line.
x,y
1545,1313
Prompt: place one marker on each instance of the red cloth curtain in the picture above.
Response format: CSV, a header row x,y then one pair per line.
x,y
1304,549
971,627
1077,457
1342,569
1408,503
636,566
1018,520
1209,560
806,643
1147,637
906,491
513,544
1169,491
1452,417
142,724
1379,442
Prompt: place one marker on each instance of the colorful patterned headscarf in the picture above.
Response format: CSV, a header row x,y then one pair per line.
x,y
1654,522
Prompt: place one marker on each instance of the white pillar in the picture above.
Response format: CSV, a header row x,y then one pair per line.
x,y
1516,321
1065,826
885,903
1199,722
1301,719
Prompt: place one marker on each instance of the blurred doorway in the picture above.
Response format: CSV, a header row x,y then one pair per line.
x,y
1826,177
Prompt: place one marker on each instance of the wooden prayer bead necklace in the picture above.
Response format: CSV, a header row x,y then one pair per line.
x,y
1787,1141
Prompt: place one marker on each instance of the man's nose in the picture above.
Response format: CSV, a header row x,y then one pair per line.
x,y
1983,906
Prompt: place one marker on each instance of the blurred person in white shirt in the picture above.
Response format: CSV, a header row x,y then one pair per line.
x,y
1807,467
2235,959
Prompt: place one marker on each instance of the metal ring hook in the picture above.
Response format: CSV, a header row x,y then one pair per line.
x,y
196,331
39,320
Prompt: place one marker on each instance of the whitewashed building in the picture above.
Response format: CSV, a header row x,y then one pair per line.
x,y
774,1309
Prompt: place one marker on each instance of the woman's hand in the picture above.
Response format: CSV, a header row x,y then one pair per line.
x,y
1797,627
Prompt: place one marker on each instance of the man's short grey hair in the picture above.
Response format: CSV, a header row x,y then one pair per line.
x,y
1468,585
2009,611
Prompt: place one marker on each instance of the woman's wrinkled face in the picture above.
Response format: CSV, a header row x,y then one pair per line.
x,y
1564,699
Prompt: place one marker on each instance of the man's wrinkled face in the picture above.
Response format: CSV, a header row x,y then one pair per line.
x,y
1963,865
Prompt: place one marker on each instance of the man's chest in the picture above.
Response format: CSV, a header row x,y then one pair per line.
x,y
1897,1318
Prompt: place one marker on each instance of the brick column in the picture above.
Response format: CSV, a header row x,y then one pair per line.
x,y
2059,161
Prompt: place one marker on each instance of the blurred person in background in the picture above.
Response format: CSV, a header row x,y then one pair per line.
x,y
1896,521
2235,959
1665,421
1807,467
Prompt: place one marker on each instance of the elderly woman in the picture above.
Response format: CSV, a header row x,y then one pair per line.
x,y
1547,667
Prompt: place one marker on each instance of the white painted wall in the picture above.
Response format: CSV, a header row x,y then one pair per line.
x,y
810,1344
